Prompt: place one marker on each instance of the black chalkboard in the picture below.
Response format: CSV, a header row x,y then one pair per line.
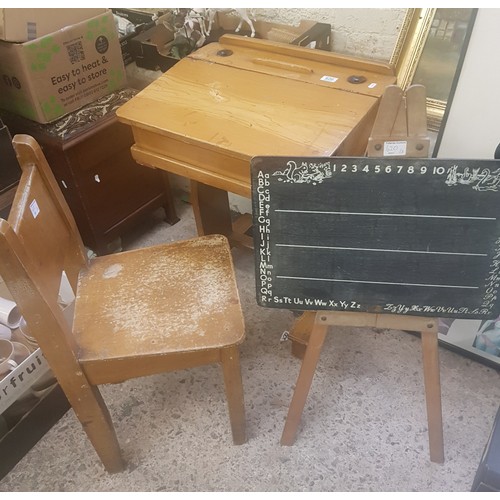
x,y
385,235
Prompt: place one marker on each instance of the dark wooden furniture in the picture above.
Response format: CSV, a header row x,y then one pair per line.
x,y
9,170
89,153
487,476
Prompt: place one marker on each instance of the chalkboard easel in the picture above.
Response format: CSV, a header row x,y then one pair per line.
x,y
381,242
351,241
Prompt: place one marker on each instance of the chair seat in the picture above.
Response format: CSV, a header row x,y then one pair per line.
x,y
180,297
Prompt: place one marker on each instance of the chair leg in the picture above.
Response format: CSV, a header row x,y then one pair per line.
x,y
430,358
93,414
303,384
231,369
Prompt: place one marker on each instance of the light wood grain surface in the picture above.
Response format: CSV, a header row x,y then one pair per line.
x,y
209,115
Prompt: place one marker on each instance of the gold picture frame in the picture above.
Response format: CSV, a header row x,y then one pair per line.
x,y
414,42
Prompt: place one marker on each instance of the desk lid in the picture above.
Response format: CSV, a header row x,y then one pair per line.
x,y
234,106
318,67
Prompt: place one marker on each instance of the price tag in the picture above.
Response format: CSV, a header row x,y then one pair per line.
x,y
395,148
327,78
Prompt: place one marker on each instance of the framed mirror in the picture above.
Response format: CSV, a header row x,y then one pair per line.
x,y
430,51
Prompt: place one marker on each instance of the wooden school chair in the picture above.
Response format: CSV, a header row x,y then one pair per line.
x,y
157,309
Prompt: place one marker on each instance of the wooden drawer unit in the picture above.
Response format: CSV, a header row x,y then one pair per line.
x,y
89,153
10,171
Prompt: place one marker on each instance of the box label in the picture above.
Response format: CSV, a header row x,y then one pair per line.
x,y
22,378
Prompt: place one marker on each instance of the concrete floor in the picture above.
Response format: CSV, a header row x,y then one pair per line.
x,y
364,427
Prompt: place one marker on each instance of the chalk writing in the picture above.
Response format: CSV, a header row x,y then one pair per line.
x,y
435,310
492,282
263,252
481,179
306,172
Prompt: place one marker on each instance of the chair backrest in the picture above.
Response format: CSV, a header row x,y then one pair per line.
x,y
39,245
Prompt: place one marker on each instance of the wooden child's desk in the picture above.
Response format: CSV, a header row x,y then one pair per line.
x,y
207,116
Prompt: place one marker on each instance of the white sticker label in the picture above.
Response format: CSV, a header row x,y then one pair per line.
x,y
327,78
35,210
66,294
395,148
372,85
22,378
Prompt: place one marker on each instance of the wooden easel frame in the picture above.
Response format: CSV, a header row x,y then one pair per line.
x,y
400,126
428,328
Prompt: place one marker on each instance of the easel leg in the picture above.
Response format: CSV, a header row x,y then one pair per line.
x,y
300,333
430,358
303,384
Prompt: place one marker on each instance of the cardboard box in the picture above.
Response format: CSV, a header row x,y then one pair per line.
x,y
136,17
22,25
46,78
152,47
142,21
24,376
307,34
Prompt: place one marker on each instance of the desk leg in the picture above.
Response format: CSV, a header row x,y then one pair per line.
x,y
211,210
170,212
213,216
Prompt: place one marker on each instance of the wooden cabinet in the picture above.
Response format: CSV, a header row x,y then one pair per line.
x,y
9,170
89,153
